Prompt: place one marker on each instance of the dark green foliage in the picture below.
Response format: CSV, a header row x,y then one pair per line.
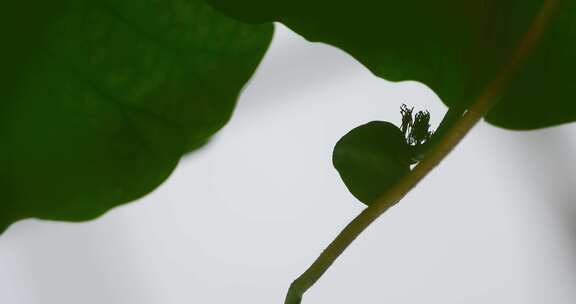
x,y
543,93
371,158
456,47
416,128
100,98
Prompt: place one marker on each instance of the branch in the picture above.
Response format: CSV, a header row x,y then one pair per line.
x,y
478,109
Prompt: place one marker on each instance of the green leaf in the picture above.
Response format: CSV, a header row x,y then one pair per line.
x,y
101,98
455,47
371,158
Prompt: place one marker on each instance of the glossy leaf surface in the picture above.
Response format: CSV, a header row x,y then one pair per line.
x,y
101,98
455,47
371,158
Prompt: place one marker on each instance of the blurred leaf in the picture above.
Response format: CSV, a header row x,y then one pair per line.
x,y
453,46
371,158
101,98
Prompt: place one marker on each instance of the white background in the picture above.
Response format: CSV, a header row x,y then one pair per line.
x,y
240,219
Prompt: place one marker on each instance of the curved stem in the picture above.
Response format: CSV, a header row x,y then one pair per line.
x,y
463,125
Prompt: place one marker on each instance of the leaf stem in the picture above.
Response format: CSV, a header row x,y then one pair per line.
x,y
478,109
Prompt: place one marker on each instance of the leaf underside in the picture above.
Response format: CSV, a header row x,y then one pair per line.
x,y
455,47
101,98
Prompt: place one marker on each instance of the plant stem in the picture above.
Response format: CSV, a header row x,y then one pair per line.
x,y
478,109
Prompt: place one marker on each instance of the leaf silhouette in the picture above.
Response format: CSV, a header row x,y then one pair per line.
x,y
455,47
370,158
101,98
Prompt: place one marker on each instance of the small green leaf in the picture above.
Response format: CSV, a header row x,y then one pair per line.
x,y
101,98
455,47
372,158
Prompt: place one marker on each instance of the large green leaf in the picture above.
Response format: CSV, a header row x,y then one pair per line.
x,y
370,158
101,98
453,46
